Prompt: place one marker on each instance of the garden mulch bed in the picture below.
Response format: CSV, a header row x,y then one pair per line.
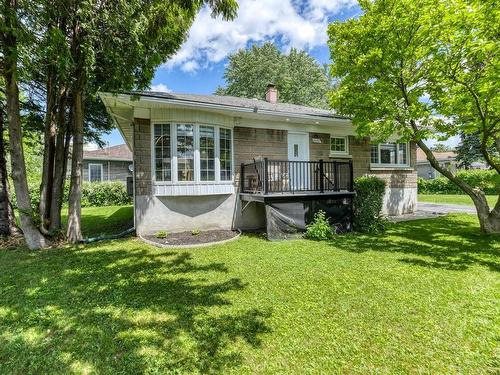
x,y
188,239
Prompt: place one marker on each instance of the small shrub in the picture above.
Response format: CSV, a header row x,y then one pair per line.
x,y
195,232
368,204
161,234
319,229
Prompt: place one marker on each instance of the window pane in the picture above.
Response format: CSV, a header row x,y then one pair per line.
x,y
225,154
207,153
337,144
388,153
163,152
95,172
402,157
185,152
374,154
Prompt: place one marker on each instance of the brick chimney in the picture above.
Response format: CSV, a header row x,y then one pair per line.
x,y
272,94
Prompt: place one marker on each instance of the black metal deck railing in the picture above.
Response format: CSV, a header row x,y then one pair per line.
x,y
283,176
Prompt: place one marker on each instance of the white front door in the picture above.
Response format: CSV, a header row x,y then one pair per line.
x,y
298,151
298,146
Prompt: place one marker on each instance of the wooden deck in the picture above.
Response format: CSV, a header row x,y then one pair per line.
x,y
298,196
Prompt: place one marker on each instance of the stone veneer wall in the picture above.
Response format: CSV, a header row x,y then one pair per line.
x,y
142,156
401,184
250,143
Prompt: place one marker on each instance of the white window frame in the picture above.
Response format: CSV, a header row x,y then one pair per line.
x,y
102,171
197,167
346,140
392,165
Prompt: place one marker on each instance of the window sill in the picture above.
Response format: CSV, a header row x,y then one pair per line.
x,y
340,155
391,168
193,189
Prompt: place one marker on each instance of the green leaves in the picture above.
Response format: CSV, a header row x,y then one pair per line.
x,y
413,67
298,77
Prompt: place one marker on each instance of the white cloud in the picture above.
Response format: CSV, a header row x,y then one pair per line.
x,y
296,23
160,88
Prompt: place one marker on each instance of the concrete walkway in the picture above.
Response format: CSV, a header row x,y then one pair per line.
x,y
445,208
430,210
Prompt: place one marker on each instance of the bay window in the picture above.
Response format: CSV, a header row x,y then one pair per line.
x,y
163,152
185,153
207,153
226,154
389,154
192,154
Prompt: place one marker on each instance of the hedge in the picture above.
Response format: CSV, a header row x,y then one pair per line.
x,y
368,204
94,194
487,180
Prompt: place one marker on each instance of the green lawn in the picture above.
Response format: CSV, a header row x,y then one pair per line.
x,y
422,298
453,199
98,221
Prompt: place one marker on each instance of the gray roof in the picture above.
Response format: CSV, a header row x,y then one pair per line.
x,y
233,101
118,152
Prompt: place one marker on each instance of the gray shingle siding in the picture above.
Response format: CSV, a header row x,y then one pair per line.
x,y
112,170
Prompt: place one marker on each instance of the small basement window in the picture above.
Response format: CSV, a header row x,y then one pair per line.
x,y
338,145
95,172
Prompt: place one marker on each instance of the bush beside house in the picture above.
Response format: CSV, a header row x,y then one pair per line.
x,y
487,180
94,194
368,204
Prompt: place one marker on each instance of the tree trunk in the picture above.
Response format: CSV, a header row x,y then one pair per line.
x,y
46,186
74,233
34,239
5,220
489,221
61,156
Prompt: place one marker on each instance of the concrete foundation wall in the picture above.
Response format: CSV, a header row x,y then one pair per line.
x,y
177,214
399,201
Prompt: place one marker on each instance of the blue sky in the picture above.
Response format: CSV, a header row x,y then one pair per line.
x,y
198,67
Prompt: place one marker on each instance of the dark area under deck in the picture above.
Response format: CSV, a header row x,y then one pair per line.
x,y
292,192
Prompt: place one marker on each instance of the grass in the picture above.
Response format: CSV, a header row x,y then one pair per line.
x,y
98,221
454,199
422,298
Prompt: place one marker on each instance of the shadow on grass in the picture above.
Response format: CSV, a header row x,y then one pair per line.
x,y
121,311
449,242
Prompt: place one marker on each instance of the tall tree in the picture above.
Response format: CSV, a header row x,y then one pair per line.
x,y
389,59
9,35
82,47
469,150
298,77
116,47
5,216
